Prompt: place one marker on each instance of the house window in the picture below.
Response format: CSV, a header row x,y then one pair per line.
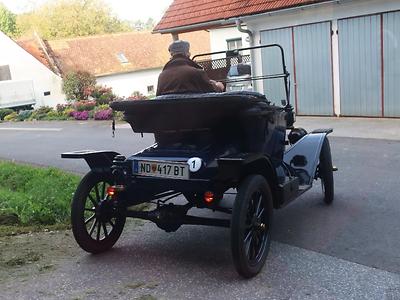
x,y
150,89
5,73
122,58
234,44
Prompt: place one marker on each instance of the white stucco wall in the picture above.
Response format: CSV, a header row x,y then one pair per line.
x,y
23,67
125,84
220,36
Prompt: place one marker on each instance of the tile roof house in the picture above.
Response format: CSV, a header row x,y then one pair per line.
x,y
343,55
26,74
127,62
104,55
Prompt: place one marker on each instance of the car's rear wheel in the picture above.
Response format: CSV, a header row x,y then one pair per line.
x,y
325,170
251,225
97,221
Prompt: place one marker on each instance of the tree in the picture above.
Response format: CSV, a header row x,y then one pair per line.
x,y
141,25
7,21
71,18
76,84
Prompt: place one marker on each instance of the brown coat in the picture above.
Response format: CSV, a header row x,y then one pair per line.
x,y
182,75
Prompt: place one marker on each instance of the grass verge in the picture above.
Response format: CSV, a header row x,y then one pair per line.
x,y
32,196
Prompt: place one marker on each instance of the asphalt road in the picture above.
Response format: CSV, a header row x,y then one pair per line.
x,y
350,250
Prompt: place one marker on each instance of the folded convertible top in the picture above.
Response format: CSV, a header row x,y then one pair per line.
x,y
183,112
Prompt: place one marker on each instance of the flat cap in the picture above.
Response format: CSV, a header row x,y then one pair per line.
x,y
179,47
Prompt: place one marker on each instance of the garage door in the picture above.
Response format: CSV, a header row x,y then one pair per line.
x,y
274,89
360,66
391,54
312,74
312,47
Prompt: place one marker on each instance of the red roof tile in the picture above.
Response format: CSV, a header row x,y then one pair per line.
x,y
98,55
191,12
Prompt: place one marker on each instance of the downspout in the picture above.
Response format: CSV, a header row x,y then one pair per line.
x,y
239,27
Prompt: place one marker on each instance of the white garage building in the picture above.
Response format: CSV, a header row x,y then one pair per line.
x,y
343,55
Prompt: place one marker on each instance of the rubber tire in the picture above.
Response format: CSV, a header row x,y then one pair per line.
x,y
82,237
326,172
239,214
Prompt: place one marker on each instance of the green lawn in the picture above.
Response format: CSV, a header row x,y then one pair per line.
x,y
36,196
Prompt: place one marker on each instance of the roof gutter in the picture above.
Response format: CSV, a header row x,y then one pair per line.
x,y
198,26
231,21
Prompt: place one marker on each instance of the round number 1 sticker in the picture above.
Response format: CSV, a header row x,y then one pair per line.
x,y
195,164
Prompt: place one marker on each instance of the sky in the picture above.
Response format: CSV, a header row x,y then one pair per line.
x,y
124,9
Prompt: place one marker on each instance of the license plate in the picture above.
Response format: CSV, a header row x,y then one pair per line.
x,y
161,169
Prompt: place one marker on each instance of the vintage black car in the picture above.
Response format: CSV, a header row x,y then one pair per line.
x,y
206,146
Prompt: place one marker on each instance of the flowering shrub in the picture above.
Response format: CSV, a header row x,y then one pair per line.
x,y
62,107
137,96
105,114
102,107
103,95
81,115
68,112
88,91
85,105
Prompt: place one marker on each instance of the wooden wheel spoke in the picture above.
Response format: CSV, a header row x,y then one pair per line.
x,y
103,190
93,227
260,213
248,235
95,203
259,201
90,219
256,245
96,189
98,231
105,229
247,245
111,223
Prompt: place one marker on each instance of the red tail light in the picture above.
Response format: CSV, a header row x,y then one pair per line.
x,y
113,190
208,197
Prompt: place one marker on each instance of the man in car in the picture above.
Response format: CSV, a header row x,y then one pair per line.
x,y
182,75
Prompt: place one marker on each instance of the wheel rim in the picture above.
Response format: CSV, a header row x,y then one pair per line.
x,y
256,229
99,215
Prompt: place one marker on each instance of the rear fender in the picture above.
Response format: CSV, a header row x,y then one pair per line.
x,y
236,169
303,156
98,161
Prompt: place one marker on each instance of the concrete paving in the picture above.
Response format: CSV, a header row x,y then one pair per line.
x,y
347,251
369,128
194,263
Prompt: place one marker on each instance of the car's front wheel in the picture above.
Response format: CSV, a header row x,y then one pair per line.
x,y
325,170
